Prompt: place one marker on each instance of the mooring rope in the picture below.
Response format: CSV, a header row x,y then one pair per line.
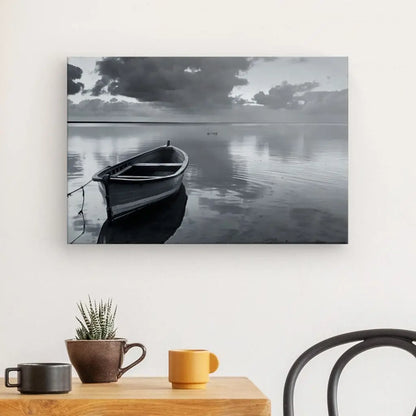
x,y
81,211
81,187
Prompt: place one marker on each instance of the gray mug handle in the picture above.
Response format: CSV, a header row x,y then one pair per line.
x,y
6,376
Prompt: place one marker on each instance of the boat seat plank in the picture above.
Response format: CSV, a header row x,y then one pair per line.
x,y
176,165
137,177
120,172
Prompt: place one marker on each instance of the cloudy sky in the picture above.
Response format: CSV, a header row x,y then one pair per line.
x,y
208,89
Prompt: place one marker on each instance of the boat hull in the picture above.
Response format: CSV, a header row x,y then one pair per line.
x,y
123,198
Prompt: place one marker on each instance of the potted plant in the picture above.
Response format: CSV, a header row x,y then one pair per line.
x,y
96,354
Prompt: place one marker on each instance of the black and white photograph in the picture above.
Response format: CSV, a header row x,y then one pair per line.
x,y
207,150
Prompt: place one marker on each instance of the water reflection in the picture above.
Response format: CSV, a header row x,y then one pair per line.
x,y
74,166
154,224
248,183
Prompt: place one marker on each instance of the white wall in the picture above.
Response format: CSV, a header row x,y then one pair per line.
x,y
257,307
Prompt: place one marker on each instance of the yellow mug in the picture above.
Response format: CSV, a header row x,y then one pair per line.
x,y
190,369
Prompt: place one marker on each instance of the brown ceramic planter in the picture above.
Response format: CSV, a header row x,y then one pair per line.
x,y
100,361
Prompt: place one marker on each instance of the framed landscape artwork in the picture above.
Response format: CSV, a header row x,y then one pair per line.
x,y
207,150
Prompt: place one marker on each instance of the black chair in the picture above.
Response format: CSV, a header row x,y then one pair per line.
x,y
373,338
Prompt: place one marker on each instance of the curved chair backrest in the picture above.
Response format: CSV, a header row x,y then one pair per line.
x,y
372,338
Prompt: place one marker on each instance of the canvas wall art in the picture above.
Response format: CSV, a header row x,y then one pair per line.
x,y
207,150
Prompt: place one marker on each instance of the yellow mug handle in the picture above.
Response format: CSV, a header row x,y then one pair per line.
x,y
213,362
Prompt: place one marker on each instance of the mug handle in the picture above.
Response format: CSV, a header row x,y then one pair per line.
x,y
6,376
213,362
121,371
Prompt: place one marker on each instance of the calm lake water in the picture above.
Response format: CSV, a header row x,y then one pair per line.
x,y
251,183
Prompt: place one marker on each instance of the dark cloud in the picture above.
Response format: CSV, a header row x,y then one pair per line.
x,y
100,85
73,73
285,95
185,83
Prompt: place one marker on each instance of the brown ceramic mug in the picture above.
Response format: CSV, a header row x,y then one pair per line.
x,y
100,361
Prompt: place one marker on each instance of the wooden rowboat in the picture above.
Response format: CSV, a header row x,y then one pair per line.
x,y
141,180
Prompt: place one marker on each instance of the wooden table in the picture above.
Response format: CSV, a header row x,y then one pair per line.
x,y
224,396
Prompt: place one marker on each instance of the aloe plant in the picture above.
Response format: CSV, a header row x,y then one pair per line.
x,y
97,320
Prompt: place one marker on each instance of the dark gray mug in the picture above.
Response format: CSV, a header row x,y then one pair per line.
x,y
38,378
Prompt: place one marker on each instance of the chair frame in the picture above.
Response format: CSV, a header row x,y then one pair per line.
x,y
368,339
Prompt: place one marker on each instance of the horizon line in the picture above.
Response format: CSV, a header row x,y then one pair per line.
x,y
202,122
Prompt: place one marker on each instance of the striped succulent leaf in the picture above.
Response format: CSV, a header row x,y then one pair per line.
x,y
97,320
